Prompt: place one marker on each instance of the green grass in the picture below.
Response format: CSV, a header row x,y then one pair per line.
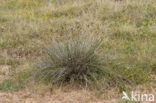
x,y
2,61
124,101
77,60
10,85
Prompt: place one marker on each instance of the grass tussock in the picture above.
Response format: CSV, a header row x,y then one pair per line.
x,y
75,59
80,60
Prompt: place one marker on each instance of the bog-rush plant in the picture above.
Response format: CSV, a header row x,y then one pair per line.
x,y
77,59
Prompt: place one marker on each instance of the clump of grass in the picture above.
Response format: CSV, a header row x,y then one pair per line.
x,y
78,60
11,85
73,60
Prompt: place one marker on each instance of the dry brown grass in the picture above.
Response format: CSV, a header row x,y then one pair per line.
x,y
74,96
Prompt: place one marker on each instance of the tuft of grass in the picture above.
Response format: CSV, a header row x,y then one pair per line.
x,y
79,60
10,85
74,59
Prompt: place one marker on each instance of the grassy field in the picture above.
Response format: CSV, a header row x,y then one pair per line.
x,y
127,29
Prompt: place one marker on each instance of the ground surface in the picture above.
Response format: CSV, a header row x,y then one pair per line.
x,y
25,96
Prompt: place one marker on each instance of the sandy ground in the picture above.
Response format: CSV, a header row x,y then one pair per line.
x,y
25,96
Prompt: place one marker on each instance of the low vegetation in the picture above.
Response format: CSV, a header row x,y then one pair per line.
x,y
94,43
11,85
79,59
